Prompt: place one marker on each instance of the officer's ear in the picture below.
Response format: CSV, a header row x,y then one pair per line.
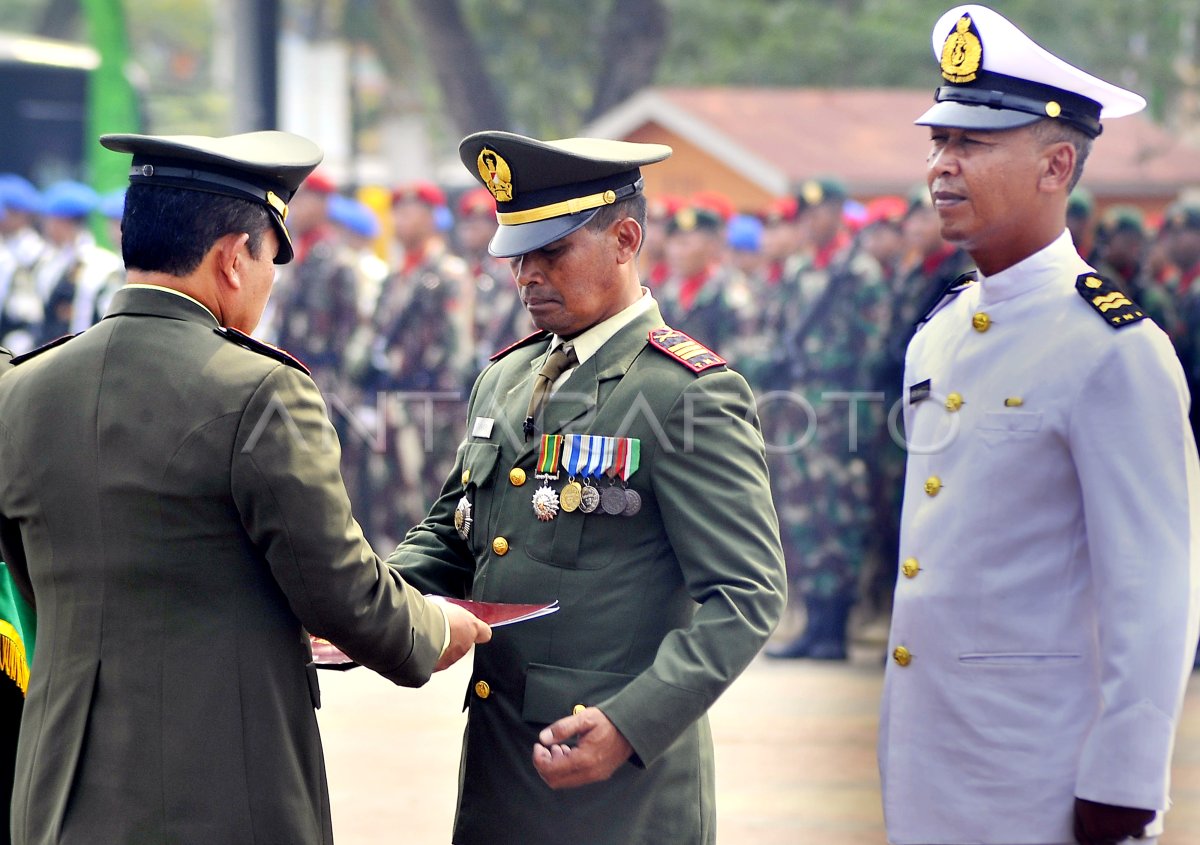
x,y
1058,166
629,239
229,255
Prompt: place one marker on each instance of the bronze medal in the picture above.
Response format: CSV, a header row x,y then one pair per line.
x,y
571,496
612,500
589,499
633,502
545,503
462,518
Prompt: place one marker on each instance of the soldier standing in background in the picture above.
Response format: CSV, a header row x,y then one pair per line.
x,y
694,296
316,309
74,268
419,363
21,246
831,339
499,320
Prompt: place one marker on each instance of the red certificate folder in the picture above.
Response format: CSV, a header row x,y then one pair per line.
x,y
328,656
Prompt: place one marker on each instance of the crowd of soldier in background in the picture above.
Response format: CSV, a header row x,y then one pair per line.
x,y
812,297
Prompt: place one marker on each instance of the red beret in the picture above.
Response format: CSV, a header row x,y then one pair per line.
x,y
425,192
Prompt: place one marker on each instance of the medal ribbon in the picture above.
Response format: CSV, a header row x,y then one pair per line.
x,y
598,447
551,450
576,452
622,446
628,465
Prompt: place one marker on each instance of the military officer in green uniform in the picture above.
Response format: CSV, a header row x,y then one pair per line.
x,y
636,496
170,501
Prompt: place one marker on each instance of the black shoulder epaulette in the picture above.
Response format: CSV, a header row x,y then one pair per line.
x,y
961,283
1110,301
691,353
244,340
33,353
525,341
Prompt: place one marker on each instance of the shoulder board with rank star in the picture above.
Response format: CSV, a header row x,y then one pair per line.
x,y
46,347
1109,300
244,340
947,295
691,353
525,341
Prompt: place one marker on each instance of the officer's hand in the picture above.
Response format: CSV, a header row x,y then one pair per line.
x,y
599,751
1104,824
466,630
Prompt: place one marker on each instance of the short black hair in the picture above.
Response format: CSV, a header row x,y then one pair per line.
x,y
634,206
170,230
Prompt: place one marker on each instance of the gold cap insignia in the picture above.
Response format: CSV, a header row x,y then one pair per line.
x,y
812,193
496,175
962,54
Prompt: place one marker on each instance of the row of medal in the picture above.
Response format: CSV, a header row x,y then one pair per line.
x,y
587,456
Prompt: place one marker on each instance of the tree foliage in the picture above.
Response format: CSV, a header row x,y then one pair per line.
x,y
548,66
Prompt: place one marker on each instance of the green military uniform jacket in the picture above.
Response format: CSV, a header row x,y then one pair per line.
x,y
173,503
659,611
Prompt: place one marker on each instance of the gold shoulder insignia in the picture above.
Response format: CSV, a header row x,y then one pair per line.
x,y
244,340
694,355
46,347
525,341
1109,300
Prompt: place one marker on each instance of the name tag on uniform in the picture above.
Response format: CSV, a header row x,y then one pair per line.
x,y
482,427
919,391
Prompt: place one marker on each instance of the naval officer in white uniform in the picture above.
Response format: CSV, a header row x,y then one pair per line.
x,y
1045,618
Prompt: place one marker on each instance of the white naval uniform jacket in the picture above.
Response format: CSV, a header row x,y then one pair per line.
x,y
1050,560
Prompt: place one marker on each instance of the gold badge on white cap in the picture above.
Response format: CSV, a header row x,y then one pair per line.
x,y
962,54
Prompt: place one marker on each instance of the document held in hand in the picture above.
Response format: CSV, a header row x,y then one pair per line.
x,y
328,656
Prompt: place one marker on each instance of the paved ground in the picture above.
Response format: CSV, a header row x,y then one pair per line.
x,y
795,757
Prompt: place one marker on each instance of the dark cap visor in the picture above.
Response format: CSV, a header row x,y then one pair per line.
x,y
963,116
511,241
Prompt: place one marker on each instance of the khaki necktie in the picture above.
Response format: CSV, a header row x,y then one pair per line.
x,y
557,362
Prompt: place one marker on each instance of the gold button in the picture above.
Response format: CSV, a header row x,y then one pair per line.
x,y
981,322
910,567
466,476
483,689
901,655
577,709
516,476
953,402
1053,109
933,485
500,546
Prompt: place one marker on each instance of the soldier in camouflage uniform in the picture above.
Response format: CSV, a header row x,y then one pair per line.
x,y
420,360
821,422
1120,252
929,267
695,296
315,306
499,319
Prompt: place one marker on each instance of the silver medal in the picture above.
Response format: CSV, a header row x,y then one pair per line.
x,y
589,498
462,518
633,502
545,503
